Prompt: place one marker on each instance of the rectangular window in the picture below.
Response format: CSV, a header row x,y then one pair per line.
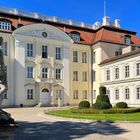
x,y
94,94
29,72
58,53
58,74
75,94
4,97
94,57
117,94
126,71
59,94
84,94
84,76
4,48
75,56
84,57
108,75
75,76
44,51
116,73
30,94
138,68
94,75
108,93
127,93
44,73
138,93
5,25
29,50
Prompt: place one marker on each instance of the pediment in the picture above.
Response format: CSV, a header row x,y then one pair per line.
x,y
37,30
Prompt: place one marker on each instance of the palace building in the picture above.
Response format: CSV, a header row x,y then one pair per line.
x,y
62,62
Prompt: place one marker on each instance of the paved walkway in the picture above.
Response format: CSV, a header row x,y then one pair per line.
x,y
34,125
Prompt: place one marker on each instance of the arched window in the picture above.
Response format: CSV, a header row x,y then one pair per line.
x,y
5,24
45,90
75,36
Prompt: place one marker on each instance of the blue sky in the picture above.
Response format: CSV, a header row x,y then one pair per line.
x,y
88,11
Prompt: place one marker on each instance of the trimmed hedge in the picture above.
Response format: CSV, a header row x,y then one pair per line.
x,y
102,101
121,105
105,111
84,104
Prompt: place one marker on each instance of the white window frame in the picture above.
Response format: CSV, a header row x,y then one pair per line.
x,y
58,53
4,25
30,72
30,52
117,94
44,51
127,93
137,69
5,48
58,73
30,93
138,93
75,56
127,71
116,73
44,72
107,75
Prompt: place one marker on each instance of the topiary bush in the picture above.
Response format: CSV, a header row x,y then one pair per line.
x,y
121,105
84,104
102,101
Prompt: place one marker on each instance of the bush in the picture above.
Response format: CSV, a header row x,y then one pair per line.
x,y
84,104
102,101
121,105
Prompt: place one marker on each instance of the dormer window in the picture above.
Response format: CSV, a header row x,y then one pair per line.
x,y
5,25
127,39
75,36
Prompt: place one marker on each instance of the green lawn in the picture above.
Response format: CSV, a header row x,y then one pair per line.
x,y
112,117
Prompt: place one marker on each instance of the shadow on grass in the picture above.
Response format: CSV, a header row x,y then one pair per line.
x,y
64,130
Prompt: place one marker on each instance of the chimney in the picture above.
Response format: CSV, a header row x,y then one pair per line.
x,y
117,23
106,21
96,25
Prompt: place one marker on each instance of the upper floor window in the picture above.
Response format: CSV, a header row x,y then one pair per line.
x,y
30,72
29,50
94,57
75,36
108,75
94,75
58,53
4,48
138,69
126,71
58,74
45,73
116,73
5,25
127,39
44,51
84,76
84,57
75,56
75,76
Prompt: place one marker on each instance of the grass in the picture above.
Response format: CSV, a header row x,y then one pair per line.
x,y
112,117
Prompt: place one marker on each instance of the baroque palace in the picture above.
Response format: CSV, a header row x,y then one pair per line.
x,y
56,61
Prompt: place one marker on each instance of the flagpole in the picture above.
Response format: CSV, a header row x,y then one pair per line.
x,y
104,8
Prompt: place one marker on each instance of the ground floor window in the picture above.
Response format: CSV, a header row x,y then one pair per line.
x,y
75,94
127,96
138,93
84,94
58,94
117,94
108,93
5,95
30,94
94,94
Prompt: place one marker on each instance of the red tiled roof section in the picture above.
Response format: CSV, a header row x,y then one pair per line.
x,y
120,56
115,36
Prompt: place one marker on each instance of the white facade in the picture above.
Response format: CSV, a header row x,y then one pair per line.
x,y
124,81
26,83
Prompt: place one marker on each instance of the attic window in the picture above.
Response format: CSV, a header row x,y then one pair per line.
x,y
127,39
75,36
5,25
